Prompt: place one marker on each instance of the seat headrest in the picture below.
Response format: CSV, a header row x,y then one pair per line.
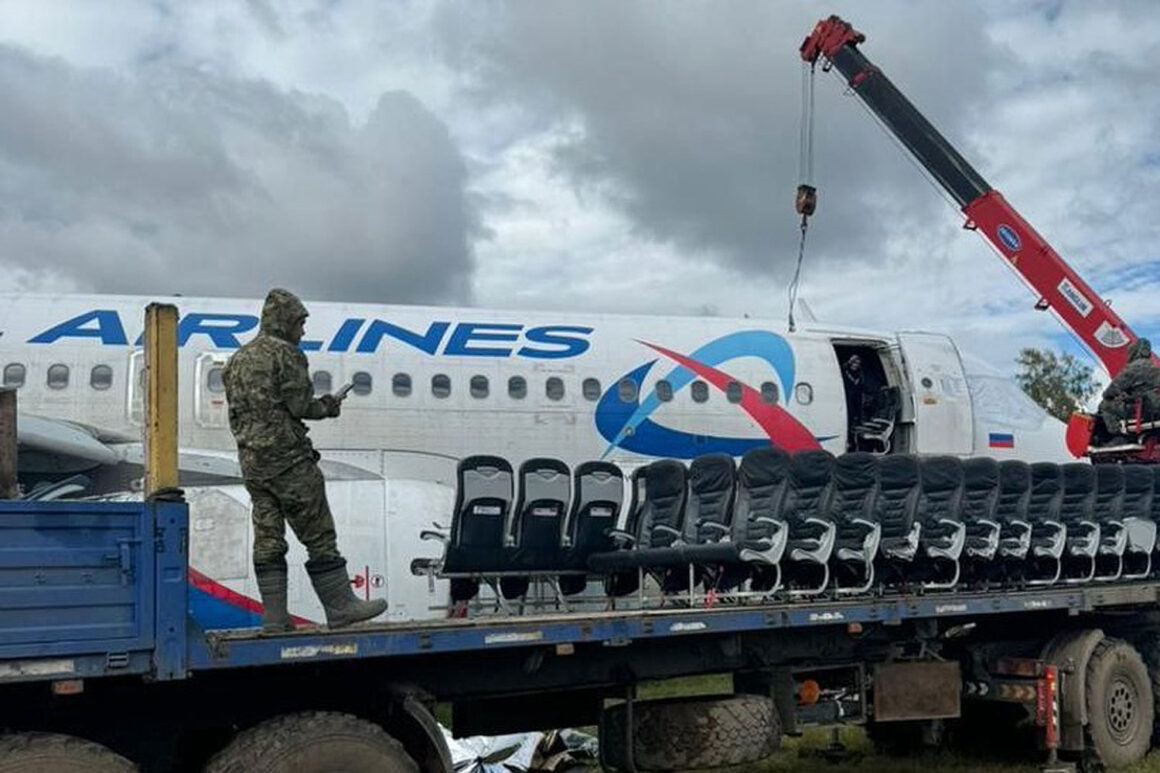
x,y
763,467
711,472
1014,475
664,478
941,473
483,463
981,472
599,469
1138,480
855,469
544,467
1078,477
1046,476
811,468
1109,477
898,472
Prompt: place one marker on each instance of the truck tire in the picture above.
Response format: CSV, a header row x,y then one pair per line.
x,y
690,733
1149,648
312,742
52,753
1120,705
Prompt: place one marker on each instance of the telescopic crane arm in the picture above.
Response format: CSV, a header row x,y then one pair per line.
x,y
1059,287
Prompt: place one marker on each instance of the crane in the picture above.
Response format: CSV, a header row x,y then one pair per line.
x,y
1059,288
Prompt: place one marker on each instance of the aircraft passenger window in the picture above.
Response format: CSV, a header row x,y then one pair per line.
x,y
700,391
322,382
441,386
479,386
101,377
401,384
591,388
362,383
554,388
214,381
664,391
627,390
57,376
733,392
769,392
804,393
14,375
517,388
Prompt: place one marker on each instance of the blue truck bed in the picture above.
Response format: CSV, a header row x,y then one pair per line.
x,y
100,589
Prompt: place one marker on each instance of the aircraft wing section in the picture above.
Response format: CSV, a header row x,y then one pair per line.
x,y
73,445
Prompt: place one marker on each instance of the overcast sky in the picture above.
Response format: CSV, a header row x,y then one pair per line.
x,y
620,156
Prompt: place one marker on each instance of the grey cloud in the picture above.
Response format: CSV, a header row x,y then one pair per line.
x,y
691,113
179,180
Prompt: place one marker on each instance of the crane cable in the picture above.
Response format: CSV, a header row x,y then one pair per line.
x,y
807,195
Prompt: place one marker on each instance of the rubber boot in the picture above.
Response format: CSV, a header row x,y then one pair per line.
x,y
272,587
342,607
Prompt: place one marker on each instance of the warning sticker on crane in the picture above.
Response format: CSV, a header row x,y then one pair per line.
x,y
1111,337
1075,297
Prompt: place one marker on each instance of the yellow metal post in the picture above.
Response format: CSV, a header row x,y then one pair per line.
x,y
160,398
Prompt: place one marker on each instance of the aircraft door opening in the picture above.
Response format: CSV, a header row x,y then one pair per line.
x,y
944,423
873,397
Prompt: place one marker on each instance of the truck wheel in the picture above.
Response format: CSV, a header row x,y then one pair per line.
x,y
313,742
690,733
1149,649
52,753
1119,704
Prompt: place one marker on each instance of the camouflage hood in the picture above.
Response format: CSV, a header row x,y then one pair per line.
x,y
281,310
1141,349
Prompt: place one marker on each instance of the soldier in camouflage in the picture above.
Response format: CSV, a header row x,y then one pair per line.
x,y
1138,381
269,392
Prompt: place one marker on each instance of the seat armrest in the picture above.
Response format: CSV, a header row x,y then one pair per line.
x,y
428,534
621,538
820,522
667,530
714,525
764,521
871,525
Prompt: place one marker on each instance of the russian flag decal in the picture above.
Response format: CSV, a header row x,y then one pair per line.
x,y
1001,440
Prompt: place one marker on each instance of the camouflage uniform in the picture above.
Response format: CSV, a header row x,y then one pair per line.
x,y
1139,380
269,392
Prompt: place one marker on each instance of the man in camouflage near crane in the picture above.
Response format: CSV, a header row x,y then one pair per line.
x,y
1139,381
269,392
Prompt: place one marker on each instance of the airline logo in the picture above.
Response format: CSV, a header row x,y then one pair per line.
x,y
358,335
627,424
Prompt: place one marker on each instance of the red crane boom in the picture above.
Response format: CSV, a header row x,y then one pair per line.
x,y
1059,287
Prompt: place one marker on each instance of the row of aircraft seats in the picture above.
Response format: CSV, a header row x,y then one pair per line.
x,y
803,523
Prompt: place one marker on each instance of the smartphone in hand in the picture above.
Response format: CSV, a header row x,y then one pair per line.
x,y
341,394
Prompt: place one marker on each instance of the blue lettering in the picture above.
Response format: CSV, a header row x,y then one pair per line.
x,y
549,335
310,346
222,329
466,332
428,342
345,335
108,328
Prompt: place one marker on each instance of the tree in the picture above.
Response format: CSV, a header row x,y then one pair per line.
x,y
1058,383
